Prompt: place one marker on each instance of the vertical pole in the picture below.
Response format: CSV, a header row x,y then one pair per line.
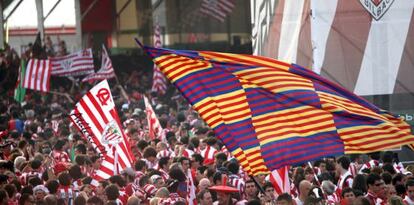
x,y
2,26
78,24
40,25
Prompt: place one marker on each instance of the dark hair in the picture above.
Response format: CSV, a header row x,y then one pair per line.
x,y
35,164
139,165
233,167
81,148
142,144
372,178
3,196
375,155
59,144
387,157
346,190
285,197
267,185
353,157
64,179
150,152
163,161
112,192
344,162
34,181
386,177
52,186
24,198
182,159
363,200
359,184
117,179
389,168
11,190
397,178
75,172
409,183
198,158
400,189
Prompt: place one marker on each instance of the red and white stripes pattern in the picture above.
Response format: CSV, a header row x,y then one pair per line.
x,y
154,126
37,75
107,70
365,55
92,114
218,9
159,83
75,64
165,153
208,154
280,180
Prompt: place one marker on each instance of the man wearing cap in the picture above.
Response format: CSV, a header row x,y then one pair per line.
x,y
224,193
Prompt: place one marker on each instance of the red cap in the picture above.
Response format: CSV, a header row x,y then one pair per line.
x,y
224,188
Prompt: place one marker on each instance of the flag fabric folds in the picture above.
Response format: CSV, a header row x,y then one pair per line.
x,y
270,114
280,180
159,83
154,126
19,91
218,9
37,75
96,118
105,72
75,64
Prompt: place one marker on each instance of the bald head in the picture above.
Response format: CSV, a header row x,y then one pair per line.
x,y
203,184
304,188
133,200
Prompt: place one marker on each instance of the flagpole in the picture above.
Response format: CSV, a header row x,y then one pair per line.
x,y
257,184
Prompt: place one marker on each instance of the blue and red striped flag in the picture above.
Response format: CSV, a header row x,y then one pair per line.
x,y
271,114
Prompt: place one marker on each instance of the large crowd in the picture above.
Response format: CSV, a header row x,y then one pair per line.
x,y
44,159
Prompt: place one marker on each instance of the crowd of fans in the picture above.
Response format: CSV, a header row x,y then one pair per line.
x,y
45,159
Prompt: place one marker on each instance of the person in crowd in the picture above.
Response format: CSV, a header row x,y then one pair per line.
x,y
409,198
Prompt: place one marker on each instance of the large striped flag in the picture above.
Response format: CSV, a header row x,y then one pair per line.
x,y
96,118
75,64
159,83
218,9
270,114
37,75
107,70
154,126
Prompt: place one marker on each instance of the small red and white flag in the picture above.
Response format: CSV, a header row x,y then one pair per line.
x,y
280,180
159,83
218,9
37,75
154,126
107,70
75,64
96,118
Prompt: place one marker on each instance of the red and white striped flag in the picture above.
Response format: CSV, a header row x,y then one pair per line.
x,y
96,118
280,180
159,83
106,71
218,9
75,64
154,126
369,52
37,75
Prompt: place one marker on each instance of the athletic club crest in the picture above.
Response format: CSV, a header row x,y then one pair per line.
x,y
377,8
111,135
